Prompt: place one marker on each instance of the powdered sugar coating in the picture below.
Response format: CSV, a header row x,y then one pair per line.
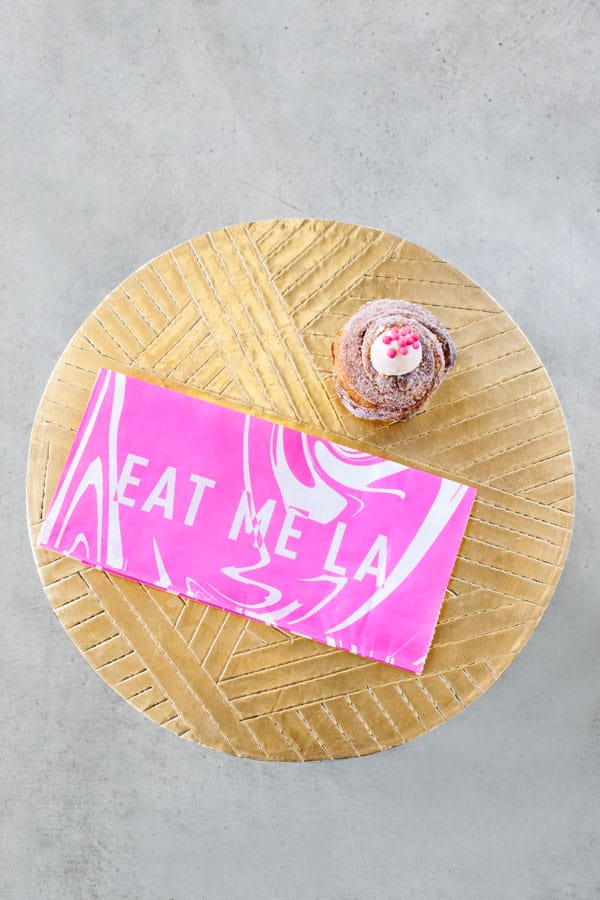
x,y
370,395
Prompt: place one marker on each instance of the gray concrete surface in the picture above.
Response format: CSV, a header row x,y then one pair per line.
x,y
470,127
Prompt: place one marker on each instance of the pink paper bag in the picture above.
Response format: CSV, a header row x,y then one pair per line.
x,y
258,519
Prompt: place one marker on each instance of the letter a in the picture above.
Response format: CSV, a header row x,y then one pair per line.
x,y
165,483
378,555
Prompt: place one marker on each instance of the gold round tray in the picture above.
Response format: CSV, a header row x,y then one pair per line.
x,y
248,314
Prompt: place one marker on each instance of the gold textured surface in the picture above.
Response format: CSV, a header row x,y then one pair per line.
x,y
247,314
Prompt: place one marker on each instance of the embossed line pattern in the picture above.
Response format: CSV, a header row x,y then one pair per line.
x,y
248,314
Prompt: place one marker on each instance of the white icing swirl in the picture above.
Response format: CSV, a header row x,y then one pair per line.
x,y
396,352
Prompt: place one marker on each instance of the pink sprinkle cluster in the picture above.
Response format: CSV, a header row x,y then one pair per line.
x,y
401,340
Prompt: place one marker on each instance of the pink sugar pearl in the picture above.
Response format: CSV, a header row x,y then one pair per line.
x,y
404,350
405,330
395,333
391,353
387,339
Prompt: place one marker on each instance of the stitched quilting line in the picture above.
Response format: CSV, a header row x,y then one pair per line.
x,y
221,262
299,338
259,296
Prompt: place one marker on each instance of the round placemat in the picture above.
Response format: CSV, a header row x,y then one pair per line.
x,y
247,314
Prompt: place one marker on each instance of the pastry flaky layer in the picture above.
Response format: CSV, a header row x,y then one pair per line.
x,y
371,395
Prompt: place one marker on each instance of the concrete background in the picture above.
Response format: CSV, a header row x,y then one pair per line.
x,y
469,127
